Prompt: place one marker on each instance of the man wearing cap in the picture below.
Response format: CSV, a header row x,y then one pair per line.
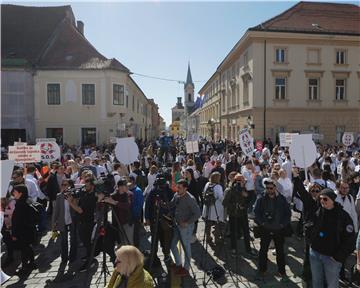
x,y
272,214
332,239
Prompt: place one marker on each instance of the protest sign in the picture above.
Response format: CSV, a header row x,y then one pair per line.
x,y
246,142
303,151
126,150
6,168
348,138
25,153
286,139
49,149
192,147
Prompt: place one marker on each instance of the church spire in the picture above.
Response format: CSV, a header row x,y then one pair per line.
x,y
188,77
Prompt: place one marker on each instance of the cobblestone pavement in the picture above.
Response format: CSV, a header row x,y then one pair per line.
x,y
240,271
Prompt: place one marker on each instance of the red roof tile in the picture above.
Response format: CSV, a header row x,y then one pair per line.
x,y
316,17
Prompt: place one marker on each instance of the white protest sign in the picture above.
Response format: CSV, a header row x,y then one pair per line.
x,y
25,153
49,149
303,151
246,142
192,147
45,140
126,150
6,168
348,138
286,139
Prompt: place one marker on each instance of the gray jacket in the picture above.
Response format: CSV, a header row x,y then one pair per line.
x,y
58,220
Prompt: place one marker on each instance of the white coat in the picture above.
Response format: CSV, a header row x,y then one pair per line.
x,y
210,214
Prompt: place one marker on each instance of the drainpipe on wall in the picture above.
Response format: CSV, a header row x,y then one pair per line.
x,y
264,90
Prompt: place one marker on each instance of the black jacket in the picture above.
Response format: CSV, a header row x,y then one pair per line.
x,y
52,187
272,214
235,202
333,233
310,205
23,222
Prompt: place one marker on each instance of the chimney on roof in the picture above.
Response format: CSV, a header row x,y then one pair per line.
x,y
80,27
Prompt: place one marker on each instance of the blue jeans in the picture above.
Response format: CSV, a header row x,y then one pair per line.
x,y
323,266
185,234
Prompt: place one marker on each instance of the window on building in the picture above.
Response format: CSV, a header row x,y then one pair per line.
x,y
127,101
88,94
340,56
88,136
246,93
340,130
137,106
133,103
313,89
189,97
53,94
280,88
56,133
340,89
118,94
280,55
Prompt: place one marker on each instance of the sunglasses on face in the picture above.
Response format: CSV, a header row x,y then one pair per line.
x,y
315,190
270,188
325,199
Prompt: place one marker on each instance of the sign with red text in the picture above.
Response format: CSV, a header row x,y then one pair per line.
x,y
25,153
50,150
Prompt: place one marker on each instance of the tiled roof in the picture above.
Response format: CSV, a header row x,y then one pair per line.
x,y
316,17
47,38
26,30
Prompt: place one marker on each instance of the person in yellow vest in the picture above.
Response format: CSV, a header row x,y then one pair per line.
x,y
129,270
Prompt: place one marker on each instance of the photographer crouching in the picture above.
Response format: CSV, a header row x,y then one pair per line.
x,y
236,202
85,206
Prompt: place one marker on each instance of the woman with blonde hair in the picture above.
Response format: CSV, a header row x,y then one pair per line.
x,y
129,270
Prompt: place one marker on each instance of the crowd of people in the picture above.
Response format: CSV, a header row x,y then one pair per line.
x,y
170,191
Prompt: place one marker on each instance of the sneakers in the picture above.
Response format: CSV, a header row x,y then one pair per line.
x,y
193,239
181,271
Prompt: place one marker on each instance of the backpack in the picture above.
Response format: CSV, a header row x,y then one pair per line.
x,y
209,198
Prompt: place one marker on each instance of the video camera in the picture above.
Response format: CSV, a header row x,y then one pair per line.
x,y
75,192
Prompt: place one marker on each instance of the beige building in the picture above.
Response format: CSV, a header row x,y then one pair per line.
x,y
79,96
296,72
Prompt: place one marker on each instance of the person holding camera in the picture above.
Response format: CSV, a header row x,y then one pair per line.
x,y
64,221
236,202
272,214
213,210
158,218
85,206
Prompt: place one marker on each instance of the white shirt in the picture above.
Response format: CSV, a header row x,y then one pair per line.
x,y
287,188
249,185
349,207
67,215
210,214
33,188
